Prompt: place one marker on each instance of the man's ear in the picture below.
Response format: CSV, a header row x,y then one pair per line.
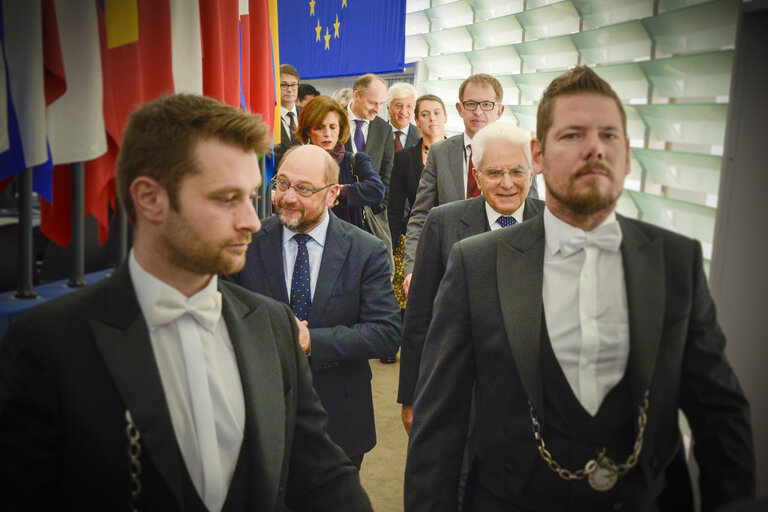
x,y
333,194
150,200
537,156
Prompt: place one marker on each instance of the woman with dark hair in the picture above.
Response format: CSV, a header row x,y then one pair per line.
x,y
323,123
430,117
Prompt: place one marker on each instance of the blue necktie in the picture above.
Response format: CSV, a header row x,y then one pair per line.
x,y
506,221
301,294
359,137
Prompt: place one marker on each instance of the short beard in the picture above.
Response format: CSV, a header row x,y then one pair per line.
x,y
590,202
298,223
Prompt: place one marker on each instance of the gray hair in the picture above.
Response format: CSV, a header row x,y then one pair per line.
x,y
506,133
400,90
343,96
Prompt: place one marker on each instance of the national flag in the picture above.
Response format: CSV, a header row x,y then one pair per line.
x,y
324,39
219,28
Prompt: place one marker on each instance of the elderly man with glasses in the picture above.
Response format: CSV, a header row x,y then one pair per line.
x,y
335,277
448,174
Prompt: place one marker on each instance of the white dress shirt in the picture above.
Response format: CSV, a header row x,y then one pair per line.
x,y
287,120
585,306
467,154
314,248
353,128
223,379
493,216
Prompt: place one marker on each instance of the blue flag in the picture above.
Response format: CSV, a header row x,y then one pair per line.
x,y
329,38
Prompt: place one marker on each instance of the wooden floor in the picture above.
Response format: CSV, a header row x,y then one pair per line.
x,y
382,471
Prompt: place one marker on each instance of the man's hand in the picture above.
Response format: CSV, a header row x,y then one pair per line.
x,y
304,340
407,283
407,416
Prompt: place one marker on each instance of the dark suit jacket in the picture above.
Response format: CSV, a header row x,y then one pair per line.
x,y
406,172
285,139
485,342
441,182
414,134
71,367
379,146
354,317
446,225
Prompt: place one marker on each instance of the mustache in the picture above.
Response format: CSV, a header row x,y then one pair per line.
x,y
591,167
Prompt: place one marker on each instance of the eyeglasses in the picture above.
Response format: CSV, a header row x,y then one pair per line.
x,y
498,175
283,85
472,105
304,191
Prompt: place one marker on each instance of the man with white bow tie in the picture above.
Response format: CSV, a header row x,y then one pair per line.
x,y
162,387
577,335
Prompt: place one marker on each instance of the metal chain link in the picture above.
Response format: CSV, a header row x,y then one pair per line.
x,y
134,455
601,460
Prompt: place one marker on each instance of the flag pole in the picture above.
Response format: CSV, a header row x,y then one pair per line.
x,y
77,245
25,288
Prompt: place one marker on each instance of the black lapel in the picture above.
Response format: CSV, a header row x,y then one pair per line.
x,y
533,207
122,338
474,220
519,270
270,246
644,273
335,251
259,364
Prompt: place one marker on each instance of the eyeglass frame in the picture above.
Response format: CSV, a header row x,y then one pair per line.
x,y
518,172
283,85
479,104
307,192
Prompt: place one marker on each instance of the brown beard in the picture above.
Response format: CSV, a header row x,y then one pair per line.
x,y
590,202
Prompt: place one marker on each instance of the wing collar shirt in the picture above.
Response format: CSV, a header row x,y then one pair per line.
x,y
493,215
353,127
314,248
585,306
223,379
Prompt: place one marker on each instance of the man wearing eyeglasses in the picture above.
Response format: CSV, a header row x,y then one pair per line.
x,y
448,175
335,277
289,110
502,153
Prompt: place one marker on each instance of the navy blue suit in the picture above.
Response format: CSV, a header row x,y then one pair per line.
x,y
354,317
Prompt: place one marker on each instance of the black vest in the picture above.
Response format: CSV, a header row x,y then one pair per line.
x,y
572,436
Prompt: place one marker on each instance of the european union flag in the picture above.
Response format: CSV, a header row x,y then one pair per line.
x,y
328,38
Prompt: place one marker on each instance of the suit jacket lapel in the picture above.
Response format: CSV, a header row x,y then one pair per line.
x,y
265,412
519,264
122,338
533,207
456,159
270,246
643,260
334,255
474,220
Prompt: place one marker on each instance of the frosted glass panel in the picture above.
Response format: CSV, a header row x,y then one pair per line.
x,y
627,80
695,76
550,21
597,13
635,124
616,43
498,32
691,171
489,9
533,4
450,41
703,27
532,85
447,90
680,216
693,123
453,14
415,48
454,65
557,52
416,23
525,115
495,61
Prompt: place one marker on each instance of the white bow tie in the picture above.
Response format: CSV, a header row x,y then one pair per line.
x,y
169,305
607,236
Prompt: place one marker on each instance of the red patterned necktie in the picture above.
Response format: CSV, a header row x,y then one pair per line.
x,y
398,144
472,190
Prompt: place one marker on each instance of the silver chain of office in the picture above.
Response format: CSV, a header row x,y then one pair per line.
x,y
601,472
134,455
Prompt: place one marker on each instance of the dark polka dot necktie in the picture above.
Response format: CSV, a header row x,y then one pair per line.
x,y
506,221
301,293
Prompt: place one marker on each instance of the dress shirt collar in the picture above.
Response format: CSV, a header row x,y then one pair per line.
x,y
352,116
146,287
556,230
284,112
318,233
396,129
493,215
467,142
